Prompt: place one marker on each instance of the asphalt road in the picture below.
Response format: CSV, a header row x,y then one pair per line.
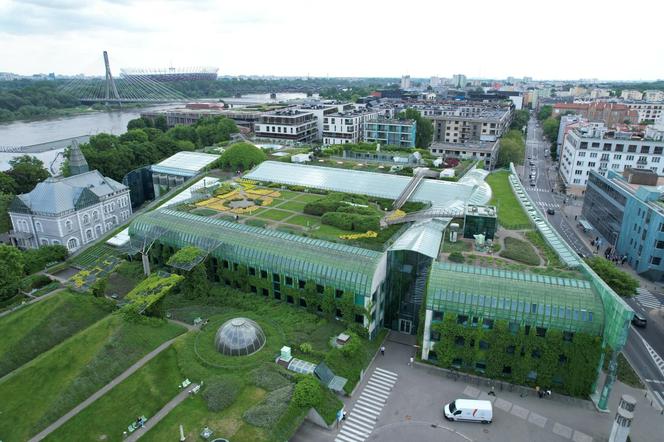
x,y
644,346
545,182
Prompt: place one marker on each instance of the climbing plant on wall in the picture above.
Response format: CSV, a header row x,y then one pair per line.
x,y
522,355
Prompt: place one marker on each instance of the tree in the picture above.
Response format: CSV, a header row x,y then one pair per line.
x,y
11,263
99,287
550,128
311,296
327,303
27,171
161,123
195,283
241,156
521,118
139,123
424,131
544,112
347,306
621,282
5,221
308,393
7,184
512,149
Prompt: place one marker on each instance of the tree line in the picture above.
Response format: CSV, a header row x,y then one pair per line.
x,y
20,99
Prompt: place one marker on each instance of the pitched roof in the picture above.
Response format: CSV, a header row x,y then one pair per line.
x,y
58,195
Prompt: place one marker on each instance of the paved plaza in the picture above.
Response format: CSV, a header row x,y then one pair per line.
x,y
397,402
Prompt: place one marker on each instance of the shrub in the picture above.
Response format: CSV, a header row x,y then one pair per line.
x,y
34,282
37,259
267,378
241,156
221,392
351,221
268,412
305,347
621,282
308,393
456,257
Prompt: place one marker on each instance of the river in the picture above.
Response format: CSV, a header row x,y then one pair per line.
x,y
26,133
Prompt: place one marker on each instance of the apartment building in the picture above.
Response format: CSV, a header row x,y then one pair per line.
x,y
631,95
391,132
653,95
292,125
597,111
468,123
647,111
348,127
486,151
593,147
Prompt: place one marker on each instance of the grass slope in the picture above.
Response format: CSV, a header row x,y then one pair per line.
x,y
52,384
37,328
142,394
510,213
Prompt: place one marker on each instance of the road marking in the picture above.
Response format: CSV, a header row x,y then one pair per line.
x,y
375,382
367,410
383,378
387,373
562,430
345,438
353,428
374,398
361,425
659,396
364,414
376,392
581,437
365,403
647,300
362,419
519,411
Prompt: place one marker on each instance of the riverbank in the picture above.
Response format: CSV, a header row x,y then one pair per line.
x,y
70,112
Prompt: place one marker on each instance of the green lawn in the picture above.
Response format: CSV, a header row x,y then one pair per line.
x,y
274,214
142,394
510,213
307,198
521,251
293,205
256,222
35,329
459,246
204,211
304,220
52,384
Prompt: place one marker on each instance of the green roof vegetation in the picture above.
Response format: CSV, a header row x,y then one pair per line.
x,y
510,214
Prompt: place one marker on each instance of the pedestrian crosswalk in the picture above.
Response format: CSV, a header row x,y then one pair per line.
x,y
646,299
539,189
655,357
548,205
359,424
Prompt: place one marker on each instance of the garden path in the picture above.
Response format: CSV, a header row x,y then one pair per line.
x,y
154,420
105,389
32,301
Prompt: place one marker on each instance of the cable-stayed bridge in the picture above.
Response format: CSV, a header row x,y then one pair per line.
x,y
135,88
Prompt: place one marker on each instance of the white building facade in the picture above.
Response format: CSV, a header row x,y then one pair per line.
x,y
347,127
593,147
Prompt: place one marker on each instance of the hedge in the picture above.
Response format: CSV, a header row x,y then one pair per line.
x,y
221,392
268,412
351,221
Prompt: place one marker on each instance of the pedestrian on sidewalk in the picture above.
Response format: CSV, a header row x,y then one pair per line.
x,y
492,392
382,350
410,363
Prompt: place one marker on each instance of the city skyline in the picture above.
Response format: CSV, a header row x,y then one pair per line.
x,y
347,40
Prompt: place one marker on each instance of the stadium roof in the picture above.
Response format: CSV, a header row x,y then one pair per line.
x,y
184,163
526,298
443,194
337,265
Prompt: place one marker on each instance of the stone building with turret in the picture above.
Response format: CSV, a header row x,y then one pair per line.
x,y
71,211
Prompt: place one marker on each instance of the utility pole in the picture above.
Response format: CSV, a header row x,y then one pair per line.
x,y
110,83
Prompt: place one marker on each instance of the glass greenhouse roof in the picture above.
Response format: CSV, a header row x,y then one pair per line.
x,y
184,163
442,194
338,265
423,237
566,304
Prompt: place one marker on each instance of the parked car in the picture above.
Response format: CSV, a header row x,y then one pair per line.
x,y
550,211
639,321
469,410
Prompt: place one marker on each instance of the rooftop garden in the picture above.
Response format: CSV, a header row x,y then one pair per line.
x,y
332,216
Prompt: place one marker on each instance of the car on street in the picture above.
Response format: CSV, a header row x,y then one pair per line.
x,y
469,410
550,211
533,184
532,163
639,321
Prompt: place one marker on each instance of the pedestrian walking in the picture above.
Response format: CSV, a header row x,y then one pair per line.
x,y
382,351
410,362
492,392
540,394
575,217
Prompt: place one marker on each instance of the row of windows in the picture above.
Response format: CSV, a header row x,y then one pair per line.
x,y
619,147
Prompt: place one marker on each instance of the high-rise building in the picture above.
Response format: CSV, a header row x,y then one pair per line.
x,y
405,82
459,81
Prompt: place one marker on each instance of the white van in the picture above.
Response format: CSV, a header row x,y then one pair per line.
x,y
469,410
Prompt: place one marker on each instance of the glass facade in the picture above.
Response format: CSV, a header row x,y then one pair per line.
x,y
406,286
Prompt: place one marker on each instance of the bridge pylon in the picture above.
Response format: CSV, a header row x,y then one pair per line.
x,y
110,83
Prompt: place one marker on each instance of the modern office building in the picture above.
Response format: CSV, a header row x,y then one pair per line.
x,y
321,110
628,211
391,132
468,123
71,211
594,147
287,125
405,82
459,81
568,318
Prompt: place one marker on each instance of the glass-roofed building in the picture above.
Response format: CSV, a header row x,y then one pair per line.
x,y
406,288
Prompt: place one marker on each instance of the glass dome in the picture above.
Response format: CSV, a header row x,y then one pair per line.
x,y
239,337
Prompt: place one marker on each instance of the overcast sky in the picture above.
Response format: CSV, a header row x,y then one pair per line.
x,y
354,38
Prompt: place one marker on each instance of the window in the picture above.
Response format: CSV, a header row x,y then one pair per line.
x,y
510,350
338,293
476,321
617,156
38,226
462,319
568,336
457,362
289,281
562,359
88,234
263,274
68,226
86,219
659,244
359,319
459,341
480,366
224,264
593,154
95,215
655,260
265,292
252,271
487,323
319,289
631,148
484,345
72,244
620,147
438,316
540,331
507,370
275,277
253,289
435,336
